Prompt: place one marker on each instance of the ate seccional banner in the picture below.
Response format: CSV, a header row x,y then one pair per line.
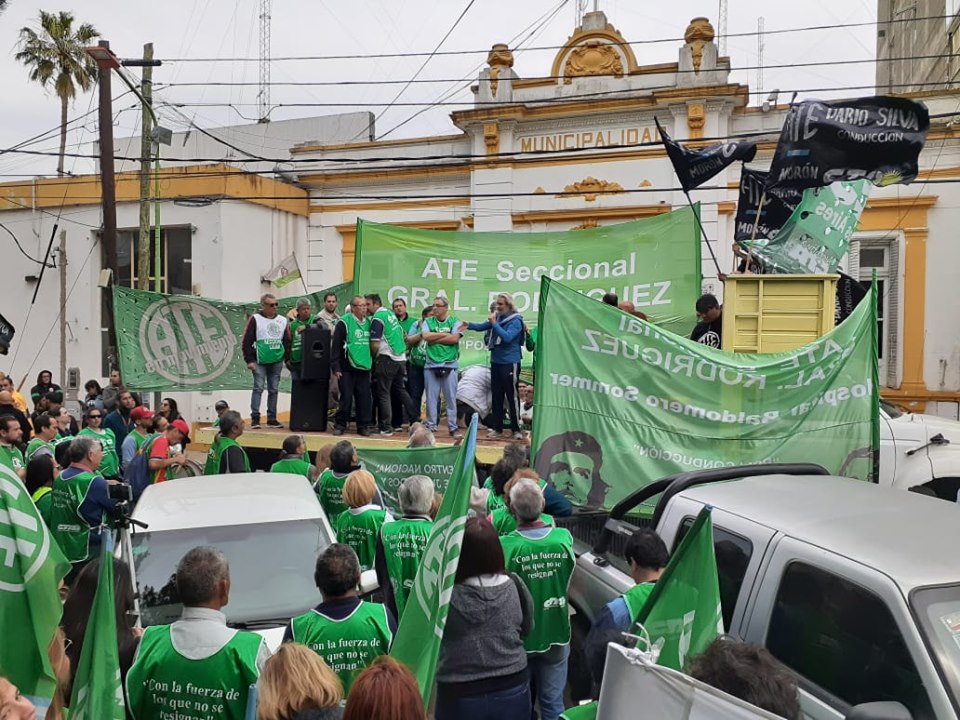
x,y
391,467
621,403
654,263
188,342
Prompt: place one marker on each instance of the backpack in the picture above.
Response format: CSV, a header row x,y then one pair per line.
x,y
138,474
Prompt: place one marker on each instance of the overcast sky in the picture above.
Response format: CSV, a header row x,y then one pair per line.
x,y
221,31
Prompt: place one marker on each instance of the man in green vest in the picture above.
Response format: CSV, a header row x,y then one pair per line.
x,y
407,322
298,323
543,558
350,362
230,457
197,667
347,632
10,435
142,421
266,345
388,346
329,487
80,500
294,459
442,333
647,556
401,542
110,465
45,432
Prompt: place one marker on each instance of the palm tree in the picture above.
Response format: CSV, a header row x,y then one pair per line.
x,y
56,56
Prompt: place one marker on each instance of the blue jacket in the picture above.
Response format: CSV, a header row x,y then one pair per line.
x,y
506,339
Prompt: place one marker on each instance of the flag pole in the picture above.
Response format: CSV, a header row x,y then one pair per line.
x,y
303,280
753,233
703,233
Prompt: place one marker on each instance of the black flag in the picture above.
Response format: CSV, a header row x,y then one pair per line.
x,y
778,205
695,167
876,138
849,294
6,335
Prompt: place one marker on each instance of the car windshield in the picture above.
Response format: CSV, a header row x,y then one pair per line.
x,y
271,569
938,612
891,410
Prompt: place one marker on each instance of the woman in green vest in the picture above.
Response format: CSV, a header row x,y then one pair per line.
x,y
110,465
294,459
41,471
359,526
329,487
401,542
226,454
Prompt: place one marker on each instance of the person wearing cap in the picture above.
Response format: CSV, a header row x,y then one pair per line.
x,y
177,433
221,407
142,419
503,336
299,321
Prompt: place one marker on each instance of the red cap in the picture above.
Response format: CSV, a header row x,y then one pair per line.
x,y
141,413
182,426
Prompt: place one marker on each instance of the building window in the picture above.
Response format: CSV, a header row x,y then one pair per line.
x,y
843,639
883,256
176,273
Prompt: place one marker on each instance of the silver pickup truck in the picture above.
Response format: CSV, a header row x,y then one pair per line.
x,y
854,587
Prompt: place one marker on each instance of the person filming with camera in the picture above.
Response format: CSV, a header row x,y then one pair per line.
x,y
81,500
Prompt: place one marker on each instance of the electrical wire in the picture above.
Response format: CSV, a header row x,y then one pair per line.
x,y
20,247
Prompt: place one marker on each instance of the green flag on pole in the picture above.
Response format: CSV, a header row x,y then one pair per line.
x,y
682,614
31,567
97,691
417,643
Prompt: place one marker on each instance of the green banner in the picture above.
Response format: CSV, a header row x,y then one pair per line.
x,y
653,263
817,234
391,467
621,403
186,342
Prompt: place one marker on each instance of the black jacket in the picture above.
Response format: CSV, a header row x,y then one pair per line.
x,y
21,418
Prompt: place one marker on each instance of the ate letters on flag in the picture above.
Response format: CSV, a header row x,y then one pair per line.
x,y
778,205
695,167
875,138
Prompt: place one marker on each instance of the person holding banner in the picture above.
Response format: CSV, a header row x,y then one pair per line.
x,y
401,542
442,333
266,345
350,361
197,658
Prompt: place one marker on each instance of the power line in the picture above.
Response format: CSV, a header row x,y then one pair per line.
x,y
381,56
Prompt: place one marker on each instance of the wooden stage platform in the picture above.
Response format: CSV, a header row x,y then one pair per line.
x,y
268,441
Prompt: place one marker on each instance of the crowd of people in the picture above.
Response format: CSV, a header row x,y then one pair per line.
x,y
384,363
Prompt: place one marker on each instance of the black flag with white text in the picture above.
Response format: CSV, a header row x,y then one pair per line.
x,y
778,206
695,167
874,138
6,335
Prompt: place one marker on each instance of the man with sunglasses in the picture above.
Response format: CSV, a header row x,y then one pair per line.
x,y
266,346
110,464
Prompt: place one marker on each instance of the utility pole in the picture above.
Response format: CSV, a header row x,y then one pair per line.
x,y
62,260
108,240
146,147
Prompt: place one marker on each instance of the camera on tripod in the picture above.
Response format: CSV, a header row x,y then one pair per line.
x,y
121,492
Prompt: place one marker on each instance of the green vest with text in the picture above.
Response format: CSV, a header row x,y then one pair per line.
x,y
296,340
392,331
330,492
67,525
162,683
403,543
348,645
545,565
212,465
110,465
34,446
357,341
225,443
292,466
437,353
269,339
43,499
359,530
11,456
407,324
636,597
505,523
418,353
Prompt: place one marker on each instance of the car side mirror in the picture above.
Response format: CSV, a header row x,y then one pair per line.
x,y
368,582
879,711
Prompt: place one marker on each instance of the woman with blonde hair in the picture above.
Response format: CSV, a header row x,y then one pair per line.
x,y
296,684
360,525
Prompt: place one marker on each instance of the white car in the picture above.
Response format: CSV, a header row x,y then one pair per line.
x,y
919,450
269,526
